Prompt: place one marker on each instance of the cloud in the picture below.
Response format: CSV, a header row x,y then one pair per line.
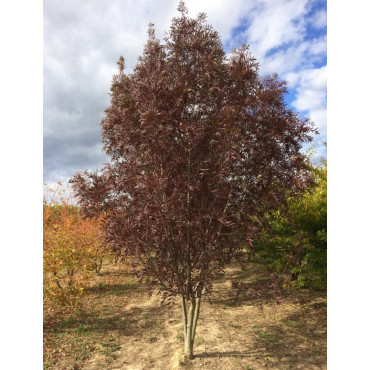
x,y
223,15
311,95
81,46
318,20
277,23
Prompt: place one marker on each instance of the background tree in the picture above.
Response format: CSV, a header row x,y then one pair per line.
x,y
199,144
294,240
72,248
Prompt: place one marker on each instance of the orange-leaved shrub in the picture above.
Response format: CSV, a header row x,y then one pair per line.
x,y
72,248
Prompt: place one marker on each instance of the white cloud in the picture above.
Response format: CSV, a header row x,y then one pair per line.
x,y
309,99
286,60
311,95
275,23
222,14
318,46
318,20
315,78
319,117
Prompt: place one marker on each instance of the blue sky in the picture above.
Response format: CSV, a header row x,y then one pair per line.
x,y
83,43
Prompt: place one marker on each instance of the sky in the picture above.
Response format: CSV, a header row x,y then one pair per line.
x,y
83,41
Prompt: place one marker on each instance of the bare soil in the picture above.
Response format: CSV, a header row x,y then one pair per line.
x,y
120,327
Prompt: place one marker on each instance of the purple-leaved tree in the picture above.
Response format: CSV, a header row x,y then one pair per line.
x,y
200,145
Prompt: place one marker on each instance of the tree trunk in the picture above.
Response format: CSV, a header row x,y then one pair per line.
x,y
190,323
189,331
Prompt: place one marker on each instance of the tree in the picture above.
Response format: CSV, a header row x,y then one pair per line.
x,y
199,144
295,239
72,247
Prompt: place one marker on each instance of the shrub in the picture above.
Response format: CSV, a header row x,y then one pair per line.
x,y
72,246
295,240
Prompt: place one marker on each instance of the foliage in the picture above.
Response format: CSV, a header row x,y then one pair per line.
x,y
199,144
72,248
295,241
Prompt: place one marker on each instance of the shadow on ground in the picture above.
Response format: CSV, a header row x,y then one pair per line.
x,y
131,323
297,339
238,354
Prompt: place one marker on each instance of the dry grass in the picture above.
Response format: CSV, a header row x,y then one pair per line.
x,y
119,327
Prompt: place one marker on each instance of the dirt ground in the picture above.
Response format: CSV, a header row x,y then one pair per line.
x,y
120,327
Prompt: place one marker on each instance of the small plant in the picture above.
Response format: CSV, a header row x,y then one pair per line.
x,y
82,328
109,348
180,337
263,334
152,339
